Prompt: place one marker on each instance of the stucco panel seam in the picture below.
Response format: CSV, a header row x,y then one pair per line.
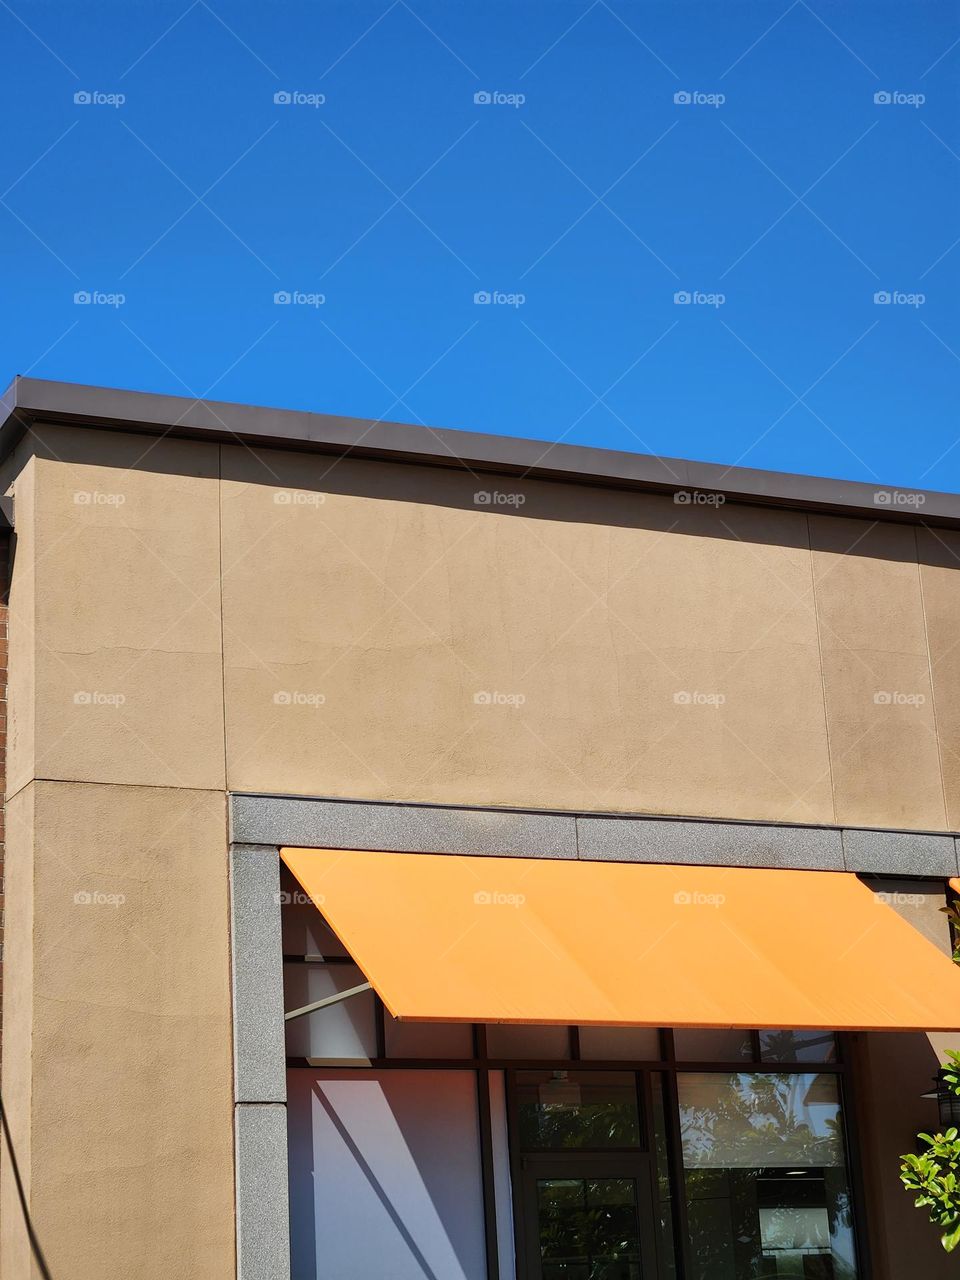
x,y
933,687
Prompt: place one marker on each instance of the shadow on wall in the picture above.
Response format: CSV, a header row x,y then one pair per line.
x,y
385,1166
296,475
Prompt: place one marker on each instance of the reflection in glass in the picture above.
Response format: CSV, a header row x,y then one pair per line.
x,y
588,1228
706,1044
765,1174
798,1046
577,1110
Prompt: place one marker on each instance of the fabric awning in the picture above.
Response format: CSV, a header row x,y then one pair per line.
x,y
482,939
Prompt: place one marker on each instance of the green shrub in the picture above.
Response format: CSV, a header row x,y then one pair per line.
x,y
932,1175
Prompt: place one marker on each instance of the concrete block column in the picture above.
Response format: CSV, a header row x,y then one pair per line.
x,y
260,1095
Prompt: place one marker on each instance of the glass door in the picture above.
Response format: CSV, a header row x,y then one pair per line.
x,y
584,1220
586,1208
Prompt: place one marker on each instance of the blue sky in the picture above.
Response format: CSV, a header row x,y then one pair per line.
x,y
780,198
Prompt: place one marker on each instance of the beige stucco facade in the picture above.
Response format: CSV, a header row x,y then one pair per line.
x,y
189,618
278,621
118,1081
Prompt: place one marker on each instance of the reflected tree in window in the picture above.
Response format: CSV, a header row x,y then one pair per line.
x,y
563,1110
588,1229
765,1176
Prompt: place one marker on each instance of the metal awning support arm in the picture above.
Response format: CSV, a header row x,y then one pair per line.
x,y
327,1001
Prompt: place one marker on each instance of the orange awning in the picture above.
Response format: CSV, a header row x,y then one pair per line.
x,y
471,939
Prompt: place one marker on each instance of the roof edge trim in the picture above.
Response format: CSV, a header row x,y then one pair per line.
x,y
32,401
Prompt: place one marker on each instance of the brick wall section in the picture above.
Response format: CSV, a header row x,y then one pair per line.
x,y
5,551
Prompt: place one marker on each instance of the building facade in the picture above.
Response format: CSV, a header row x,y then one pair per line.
x,y
600,809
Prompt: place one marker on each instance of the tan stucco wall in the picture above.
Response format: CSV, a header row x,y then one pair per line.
x,y
116,1035
939,560
364,606
186,617
18,1013
127,605
22,629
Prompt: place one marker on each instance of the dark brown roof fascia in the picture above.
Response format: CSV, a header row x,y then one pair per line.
x,y
29,401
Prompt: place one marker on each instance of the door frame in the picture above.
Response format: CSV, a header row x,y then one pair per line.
x,y
527,1168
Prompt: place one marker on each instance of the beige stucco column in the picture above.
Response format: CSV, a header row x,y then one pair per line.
x,y
117,1027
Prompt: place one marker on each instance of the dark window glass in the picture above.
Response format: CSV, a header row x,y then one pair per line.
x,y
588,1229
704,1044
765,1175
513,1040
427,1039
577,1110
798,1046
628,1044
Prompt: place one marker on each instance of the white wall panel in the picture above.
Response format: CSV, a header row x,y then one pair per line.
x,y
385,1180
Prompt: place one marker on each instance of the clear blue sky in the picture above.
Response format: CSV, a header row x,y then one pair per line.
x,y
597,198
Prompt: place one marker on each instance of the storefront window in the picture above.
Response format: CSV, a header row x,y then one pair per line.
x,y
765,1173
798,1046
577,1110
695,1044
732,1165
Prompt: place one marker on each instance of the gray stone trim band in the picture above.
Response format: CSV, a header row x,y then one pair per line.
x,y
413,828
260,1113
345,824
